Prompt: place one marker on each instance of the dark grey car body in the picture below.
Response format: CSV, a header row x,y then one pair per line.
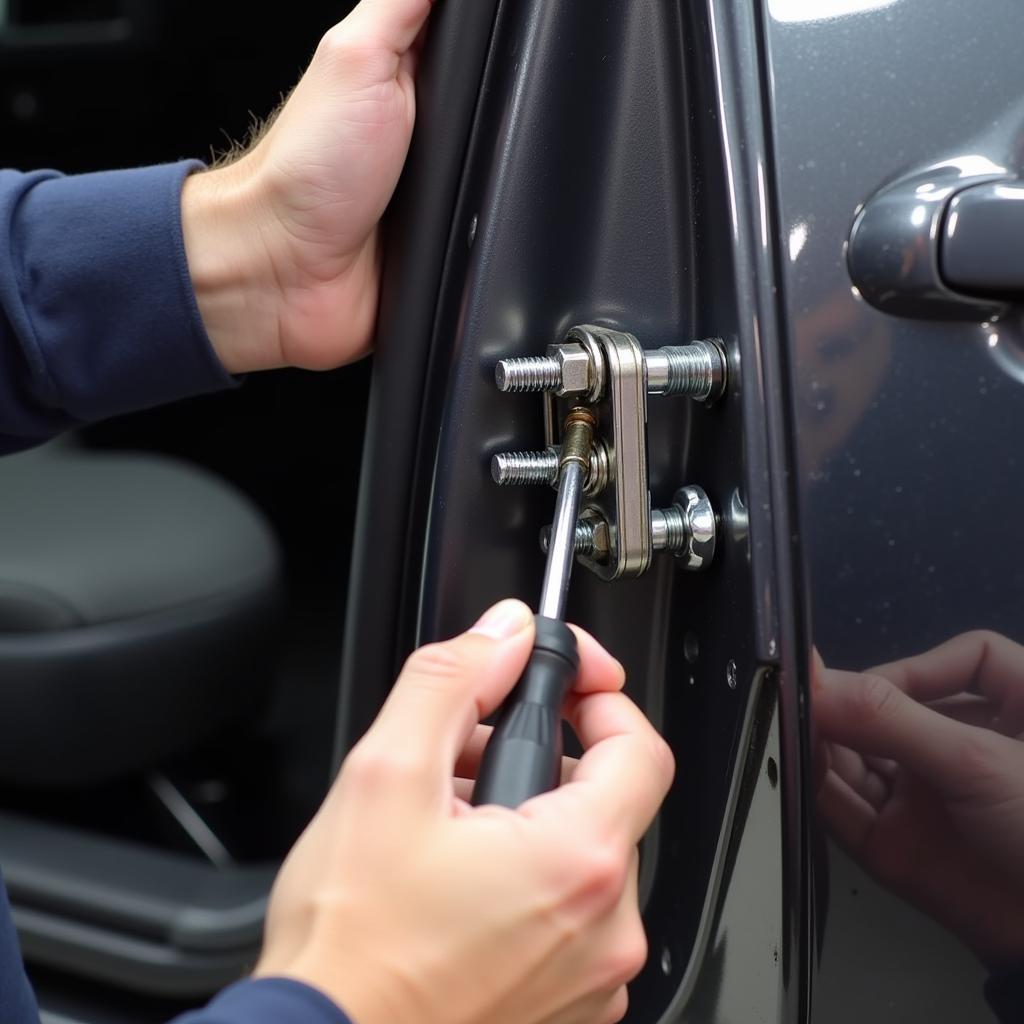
x,y
685,170
677,169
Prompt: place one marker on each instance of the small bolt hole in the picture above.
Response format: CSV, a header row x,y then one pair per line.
x,y
666,961
691,647
773,772
730,675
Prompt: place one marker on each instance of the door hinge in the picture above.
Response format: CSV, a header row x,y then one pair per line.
x,y
610,373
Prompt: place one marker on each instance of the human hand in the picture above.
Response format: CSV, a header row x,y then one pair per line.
x,y
923,782
282,244
404,903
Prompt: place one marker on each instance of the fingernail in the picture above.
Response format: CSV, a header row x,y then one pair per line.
x,y
505,619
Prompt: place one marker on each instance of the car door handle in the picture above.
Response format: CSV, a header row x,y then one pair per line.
x,y
945,243
981,250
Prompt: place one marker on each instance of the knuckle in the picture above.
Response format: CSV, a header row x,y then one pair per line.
x,y
663,758
982,637
440,661
627,958
345,48
980,759
873,697
334,44
353,50
602,872
371,768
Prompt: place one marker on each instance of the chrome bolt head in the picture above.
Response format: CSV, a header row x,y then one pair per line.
x,y
698,551
566,369
601,534
574,369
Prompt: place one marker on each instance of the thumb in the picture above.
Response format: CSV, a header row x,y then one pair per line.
x,y
872,716
392,24
443,692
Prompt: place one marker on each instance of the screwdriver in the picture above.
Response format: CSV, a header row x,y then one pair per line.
x,y
523,757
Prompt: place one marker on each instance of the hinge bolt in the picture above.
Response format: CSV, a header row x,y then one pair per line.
x,y
531,373
698,370
512,468
584,539
689,528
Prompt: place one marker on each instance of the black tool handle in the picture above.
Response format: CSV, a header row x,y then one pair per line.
x,y
524,754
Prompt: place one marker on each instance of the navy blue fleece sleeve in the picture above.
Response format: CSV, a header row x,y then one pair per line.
x,y
17,1003
97,312
268,1001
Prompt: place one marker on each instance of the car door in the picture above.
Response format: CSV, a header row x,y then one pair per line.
x,y
607,164
729,171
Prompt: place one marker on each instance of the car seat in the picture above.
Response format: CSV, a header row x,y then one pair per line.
x,y
138,596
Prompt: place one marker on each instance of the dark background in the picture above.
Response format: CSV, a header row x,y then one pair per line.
x,y
87,85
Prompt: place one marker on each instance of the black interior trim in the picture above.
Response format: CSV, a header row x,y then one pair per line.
x,y
138,916
419,235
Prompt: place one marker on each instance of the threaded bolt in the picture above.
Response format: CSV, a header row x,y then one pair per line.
x,y
530,373
512,468
698,370
578,439
668,529
584,541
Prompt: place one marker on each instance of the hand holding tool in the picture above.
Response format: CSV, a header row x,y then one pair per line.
x,y
524,755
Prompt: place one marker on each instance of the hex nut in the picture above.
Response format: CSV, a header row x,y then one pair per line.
x,y
574,366
701,527
602,534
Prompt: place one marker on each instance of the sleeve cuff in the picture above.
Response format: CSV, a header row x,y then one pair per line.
x,y
268,1001
107,303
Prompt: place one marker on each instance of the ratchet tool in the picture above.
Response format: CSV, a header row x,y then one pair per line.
x,y
523,757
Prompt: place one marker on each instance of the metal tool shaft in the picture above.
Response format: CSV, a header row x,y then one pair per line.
x,y
524,754
562,546
572,477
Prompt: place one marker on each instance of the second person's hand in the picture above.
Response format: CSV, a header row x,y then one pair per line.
x,y
923,782
404,903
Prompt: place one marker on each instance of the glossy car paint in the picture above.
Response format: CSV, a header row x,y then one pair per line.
x,y
908,438
682,170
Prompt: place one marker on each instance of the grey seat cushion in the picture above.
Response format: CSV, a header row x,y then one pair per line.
x,y
93,537
138,603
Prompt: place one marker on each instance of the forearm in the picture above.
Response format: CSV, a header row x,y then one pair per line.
x,y
97,311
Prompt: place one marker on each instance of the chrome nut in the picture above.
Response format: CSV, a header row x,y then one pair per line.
x,y
701,527
600,534
574,368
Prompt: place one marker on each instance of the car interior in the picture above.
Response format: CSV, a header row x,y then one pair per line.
x,y
172,582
